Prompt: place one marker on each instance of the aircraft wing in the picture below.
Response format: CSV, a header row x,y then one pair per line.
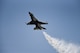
x,y
43,23
32,17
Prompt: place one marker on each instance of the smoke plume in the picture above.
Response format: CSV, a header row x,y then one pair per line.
x,y
61,46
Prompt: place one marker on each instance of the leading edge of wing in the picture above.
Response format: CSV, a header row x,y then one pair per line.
x,y
43,22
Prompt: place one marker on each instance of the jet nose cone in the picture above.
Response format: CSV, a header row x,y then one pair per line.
x,y
29,12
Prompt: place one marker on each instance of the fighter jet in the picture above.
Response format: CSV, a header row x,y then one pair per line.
x,y
35,22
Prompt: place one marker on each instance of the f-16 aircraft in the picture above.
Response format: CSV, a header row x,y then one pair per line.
x,y
36,22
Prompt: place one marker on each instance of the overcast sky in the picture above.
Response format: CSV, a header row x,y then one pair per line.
x,y
63,17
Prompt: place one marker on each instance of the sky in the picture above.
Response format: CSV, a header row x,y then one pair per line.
x,y
63,17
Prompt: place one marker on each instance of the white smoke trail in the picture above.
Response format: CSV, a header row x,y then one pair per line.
x,y
61,46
